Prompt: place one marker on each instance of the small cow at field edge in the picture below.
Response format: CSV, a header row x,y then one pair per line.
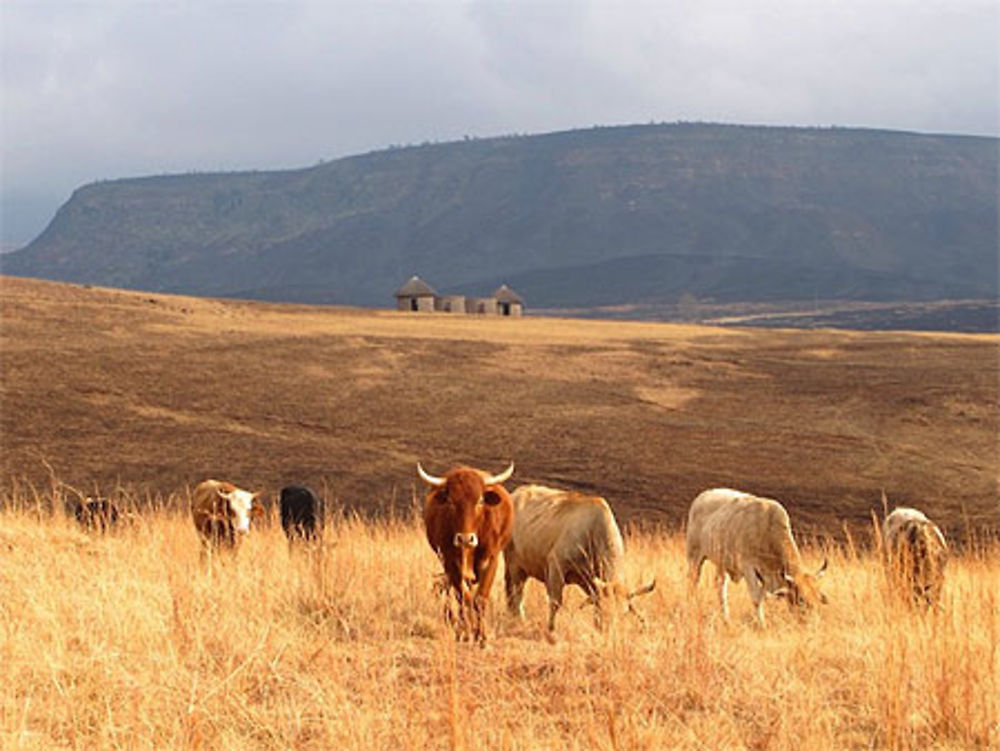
x,y
96,514
916,555
301,515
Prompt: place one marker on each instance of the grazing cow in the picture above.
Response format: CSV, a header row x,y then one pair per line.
x,y
301,517
749,537
468,516
222,513
916,555
96,514
560,538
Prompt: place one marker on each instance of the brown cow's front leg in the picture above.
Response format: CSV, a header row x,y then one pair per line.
x,y
487,572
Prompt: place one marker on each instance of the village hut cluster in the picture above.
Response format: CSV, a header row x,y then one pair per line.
x,y
418,296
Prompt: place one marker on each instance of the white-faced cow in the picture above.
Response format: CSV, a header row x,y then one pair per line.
x,y
222,512
750,538
916,555
301,516
560,538
468,517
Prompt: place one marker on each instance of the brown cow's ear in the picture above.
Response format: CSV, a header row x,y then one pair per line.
x,y
256,508
491,498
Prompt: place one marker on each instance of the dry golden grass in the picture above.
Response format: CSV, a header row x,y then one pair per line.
x,y
130,641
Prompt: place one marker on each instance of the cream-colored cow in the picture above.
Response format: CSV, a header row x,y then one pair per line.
x,y
916,555
559,538
750,538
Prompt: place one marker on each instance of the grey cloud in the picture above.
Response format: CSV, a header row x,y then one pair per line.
x,y
124,88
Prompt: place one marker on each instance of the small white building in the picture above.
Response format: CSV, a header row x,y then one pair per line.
x,y
450,303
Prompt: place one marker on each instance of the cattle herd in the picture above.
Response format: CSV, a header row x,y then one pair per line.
x,y
560,537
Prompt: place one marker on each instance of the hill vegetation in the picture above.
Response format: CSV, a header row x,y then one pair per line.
x,y
606,216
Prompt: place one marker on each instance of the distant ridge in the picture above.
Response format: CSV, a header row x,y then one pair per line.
x,y
584,218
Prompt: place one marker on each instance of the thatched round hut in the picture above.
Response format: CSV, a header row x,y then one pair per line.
x,y
415,295
509,303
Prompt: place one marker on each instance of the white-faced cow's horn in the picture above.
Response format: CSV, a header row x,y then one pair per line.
x,y
500,478
822,569
436,482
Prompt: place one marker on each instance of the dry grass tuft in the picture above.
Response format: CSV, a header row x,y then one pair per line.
x,y
129,640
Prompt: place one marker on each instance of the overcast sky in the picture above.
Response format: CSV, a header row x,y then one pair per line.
x,y
119,88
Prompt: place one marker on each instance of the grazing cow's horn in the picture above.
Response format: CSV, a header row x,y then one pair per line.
x,y
436,482
502,477
822,569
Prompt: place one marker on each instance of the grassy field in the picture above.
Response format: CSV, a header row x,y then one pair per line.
x,y
156,393
132,641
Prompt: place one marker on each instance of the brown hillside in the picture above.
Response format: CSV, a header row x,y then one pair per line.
x,y
158,392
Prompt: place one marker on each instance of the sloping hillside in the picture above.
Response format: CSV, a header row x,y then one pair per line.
x,y
159,392
581,218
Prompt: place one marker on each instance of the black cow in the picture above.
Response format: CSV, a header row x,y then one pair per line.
x,y
96,514
300,514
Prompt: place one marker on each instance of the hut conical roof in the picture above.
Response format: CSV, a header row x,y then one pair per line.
x,y
506,294
416,287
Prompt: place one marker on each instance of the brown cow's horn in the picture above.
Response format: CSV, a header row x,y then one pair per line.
x,y
502,477
432,480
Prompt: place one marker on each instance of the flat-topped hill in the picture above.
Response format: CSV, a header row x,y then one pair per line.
x,y
605,216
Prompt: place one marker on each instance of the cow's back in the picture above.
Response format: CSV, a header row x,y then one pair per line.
x,y
730,527
900,520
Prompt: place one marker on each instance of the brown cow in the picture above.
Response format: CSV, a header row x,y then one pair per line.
x,y
468,516
561,537
222,513
749,537
916,554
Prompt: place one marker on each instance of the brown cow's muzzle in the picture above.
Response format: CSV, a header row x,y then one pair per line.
x,y
467,543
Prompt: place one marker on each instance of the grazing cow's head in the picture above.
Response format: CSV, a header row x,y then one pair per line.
x,y
467,493
802,591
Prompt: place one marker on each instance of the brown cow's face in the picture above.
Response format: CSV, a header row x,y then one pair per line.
x,y
468,498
